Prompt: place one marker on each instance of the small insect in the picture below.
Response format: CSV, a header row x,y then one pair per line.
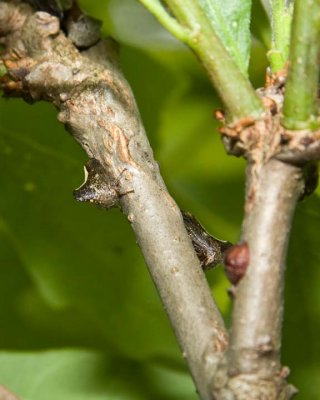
x,y
98,188
210,251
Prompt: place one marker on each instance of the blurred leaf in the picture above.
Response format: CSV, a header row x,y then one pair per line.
x,y
72,374
130,23
231,21
205,180
258,64
260,24
301,346
106,283
60,375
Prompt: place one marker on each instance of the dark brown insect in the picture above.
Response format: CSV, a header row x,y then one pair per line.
x,y
98,188
210,250
236,261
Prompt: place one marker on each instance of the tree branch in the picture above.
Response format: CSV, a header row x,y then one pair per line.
x,y
272,190
97,106
272,193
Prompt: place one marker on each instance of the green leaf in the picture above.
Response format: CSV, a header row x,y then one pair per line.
x,y
301,346
231,21
74,374
66,374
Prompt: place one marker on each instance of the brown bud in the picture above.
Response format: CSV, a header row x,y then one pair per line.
x,y
236,261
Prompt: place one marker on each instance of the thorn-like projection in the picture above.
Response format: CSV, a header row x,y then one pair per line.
x,y
98,188
210,250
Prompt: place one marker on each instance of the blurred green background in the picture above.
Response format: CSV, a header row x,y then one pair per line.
x,y
79,316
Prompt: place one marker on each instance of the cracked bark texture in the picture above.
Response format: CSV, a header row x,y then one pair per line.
x,y
97,106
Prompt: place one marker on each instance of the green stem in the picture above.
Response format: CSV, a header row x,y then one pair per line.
x,y
260,24
170,23
300,104
231,84
281,25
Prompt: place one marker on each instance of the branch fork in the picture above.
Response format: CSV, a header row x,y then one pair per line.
x,y
265,138
97,106
272,190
